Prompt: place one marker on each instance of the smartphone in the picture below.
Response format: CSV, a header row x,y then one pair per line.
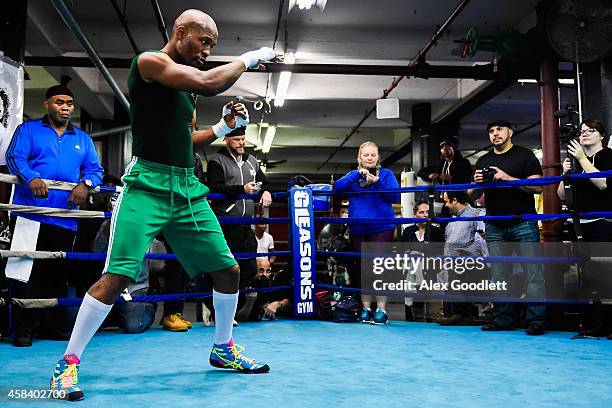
x,y
258,184
372,171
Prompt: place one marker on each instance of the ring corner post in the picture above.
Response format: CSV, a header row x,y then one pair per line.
x,y
301,215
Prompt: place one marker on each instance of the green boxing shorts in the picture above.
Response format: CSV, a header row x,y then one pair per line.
x,y
171,200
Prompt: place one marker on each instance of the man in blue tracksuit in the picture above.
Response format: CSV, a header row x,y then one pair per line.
x,y
47,148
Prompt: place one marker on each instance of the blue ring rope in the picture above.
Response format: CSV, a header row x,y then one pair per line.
x,y
450,298
491,259
522,217
541,181
71,302
100,256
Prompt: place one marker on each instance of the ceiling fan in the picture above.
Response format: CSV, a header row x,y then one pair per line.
x,y
581,31
270,164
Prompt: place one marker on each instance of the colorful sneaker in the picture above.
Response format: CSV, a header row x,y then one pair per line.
x,y
380,317
65,379
366,315
228,356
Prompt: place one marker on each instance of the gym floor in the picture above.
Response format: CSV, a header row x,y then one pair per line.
x,y
317,363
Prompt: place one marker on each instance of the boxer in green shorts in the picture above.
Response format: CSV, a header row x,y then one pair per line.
x,y
161,193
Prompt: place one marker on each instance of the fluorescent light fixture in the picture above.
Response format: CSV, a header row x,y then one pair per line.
x,y
562,81
252,136
283,81
268,139
307,4
260,128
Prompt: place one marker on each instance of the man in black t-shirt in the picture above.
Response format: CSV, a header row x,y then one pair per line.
x,y
510,162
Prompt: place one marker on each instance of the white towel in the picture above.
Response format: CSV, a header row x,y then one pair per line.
x,y
25,237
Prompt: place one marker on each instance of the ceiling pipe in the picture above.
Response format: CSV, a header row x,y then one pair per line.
x,y
161,23
73,26
110,131
478,72
125,26
420,58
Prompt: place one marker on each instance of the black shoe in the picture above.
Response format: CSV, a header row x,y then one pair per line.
x,y
455,320
22,341
609,337
535,329
56,335
494,326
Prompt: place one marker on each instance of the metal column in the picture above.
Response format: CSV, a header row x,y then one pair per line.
x,y
551,163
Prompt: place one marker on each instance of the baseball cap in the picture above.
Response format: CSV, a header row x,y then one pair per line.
x,y
58,90
449,141
500,122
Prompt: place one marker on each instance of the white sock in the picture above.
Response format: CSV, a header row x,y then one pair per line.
x,y
225,310
91,315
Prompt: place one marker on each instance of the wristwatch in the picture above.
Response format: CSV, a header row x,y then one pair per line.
x,y
88,183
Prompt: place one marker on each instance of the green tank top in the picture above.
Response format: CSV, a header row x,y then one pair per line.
x,y
161,121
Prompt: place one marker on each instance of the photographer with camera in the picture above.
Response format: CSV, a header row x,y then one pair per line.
x,y
511,162
592,194
370,176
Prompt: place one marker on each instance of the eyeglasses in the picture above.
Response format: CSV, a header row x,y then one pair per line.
x,y
589,131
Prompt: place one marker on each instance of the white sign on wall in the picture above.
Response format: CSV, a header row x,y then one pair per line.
x,y
11,101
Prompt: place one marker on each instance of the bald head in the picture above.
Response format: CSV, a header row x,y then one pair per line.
x,y
194,18
193,37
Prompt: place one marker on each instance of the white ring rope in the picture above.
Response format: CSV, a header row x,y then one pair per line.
x,y
32,254
31,303
56,212
52,184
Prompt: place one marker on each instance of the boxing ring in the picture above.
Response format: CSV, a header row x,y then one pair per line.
x,y
315,363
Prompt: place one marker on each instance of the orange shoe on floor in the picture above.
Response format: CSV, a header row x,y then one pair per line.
x,y
176,323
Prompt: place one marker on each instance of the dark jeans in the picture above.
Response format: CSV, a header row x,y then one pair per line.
x,y
132,317
356,242
597,231
240,238
506,314
47,280
175,278
598,317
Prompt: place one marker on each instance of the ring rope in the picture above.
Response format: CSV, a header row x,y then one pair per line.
x,y
71,302
55,212
492,259
456,298
522,217
65,213
60,185
541,181
100,256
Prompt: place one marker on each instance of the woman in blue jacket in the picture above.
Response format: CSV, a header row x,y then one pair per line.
x,y
370,176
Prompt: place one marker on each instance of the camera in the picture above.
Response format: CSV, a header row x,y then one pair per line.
x,y
488,174
570,130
